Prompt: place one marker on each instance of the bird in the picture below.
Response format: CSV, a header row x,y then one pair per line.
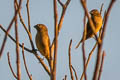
x,y
42,40
97,21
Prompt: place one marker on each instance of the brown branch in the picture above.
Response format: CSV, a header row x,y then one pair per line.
x,y
42,62
101,8
8,56
53,76
31,51
28,14
25,27
64,8
17,46
69,54
9,27
84,60
75,72
88,60
101,67
102,37
83,46
30,76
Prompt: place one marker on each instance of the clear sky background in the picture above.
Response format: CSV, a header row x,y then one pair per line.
x,y
41,12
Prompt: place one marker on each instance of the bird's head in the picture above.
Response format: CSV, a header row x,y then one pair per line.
x,y
94,12
40,27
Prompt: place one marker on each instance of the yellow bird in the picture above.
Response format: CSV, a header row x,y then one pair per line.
x,y
97,20
42,40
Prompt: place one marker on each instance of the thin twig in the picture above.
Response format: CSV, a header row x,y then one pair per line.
x,y
8,56
75,72
101,67
30,76
28,14
102,37
64,7
9,27
31,51
69,54
42,62
101,8
17,46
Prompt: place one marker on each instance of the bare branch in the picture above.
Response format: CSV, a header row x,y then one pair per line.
x,y
53,76
101,8
30,76
64,7
9,27
28,14
88,60
69,54
101,67
83,47
25,27
8,56
102,37
17,46
42,62
31,51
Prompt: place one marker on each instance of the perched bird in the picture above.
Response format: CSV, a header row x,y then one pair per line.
x,y
42,40
97,21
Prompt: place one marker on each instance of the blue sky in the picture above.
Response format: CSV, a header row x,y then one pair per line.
x,y
41,11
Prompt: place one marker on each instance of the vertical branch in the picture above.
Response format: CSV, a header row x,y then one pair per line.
x,y
83,46
101,8
101,67
70,65
30,76
53,77
102,37
11,66
17,46
84,60
28,13
8,29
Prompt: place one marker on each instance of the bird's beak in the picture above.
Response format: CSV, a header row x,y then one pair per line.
x,y
35,26
90,12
